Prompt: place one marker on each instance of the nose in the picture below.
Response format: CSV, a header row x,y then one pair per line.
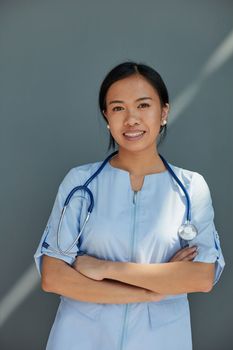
x,y
132,117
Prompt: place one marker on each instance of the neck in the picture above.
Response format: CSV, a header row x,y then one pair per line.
x,y
138,162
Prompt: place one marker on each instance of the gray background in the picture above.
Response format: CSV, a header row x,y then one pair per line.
x,y
53,57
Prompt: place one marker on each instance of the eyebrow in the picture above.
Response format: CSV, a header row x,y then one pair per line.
x,y
138,99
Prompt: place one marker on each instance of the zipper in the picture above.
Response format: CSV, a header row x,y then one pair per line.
x,y
124,328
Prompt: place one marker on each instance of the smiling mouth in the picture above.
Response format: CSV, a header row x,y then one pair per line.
x,y
132,136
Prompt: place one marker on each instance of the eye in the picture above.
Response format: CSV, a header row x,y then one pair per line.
x,y
144,104
116,107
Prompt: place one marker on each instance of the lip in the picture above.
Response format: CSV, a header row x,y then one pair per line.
x,y
136,130
128,138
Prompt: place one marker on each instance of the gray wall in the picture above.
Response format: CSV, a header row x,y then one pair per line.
x,y
53,57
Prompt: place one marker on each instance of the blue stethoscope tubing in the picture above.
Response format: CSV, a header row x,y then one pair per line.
x,y
186,231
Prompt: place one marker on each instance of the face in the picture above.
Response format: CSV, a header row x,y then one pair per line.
x,y
133,105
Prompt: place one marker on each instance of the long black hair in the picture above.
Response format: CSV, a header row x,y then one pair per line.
x,y
124,70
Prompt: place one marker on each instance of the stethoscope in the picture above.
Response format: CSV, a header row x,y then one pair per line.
x,y
186,231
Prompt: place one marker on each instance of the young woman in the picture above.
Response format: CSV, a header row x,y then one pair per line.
x,y
128,291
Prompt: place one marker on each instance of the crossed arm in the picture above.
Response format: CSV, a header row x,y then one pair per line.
x,y
60,278
103,281
166,278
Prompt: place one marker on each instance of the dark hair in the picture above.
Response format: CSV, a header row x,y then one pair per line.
x,y
124,70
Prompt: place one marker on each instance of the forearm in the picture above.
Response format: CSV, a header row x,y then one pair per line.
x,y
60,278
165,278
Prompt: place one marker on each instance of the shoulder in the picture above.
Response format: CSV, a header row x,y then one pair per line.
x,y
193,181
77,175
196,185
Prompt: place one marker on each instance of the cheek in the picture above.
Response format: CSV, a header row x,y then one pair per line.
x,y
153,123
116,126
153,116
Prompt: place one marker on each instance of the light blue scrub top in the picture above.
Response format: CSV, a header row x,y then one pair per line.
x,y
136,227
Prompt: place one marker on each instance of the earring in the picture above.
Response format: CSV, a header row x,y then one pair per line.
x,y
164,122
108,126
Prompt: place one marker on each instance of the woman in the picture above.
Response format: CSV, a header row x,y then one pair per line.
x,y
129,288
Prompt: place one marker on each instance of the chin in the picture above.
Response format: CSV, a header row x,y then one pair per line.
x,y
133,148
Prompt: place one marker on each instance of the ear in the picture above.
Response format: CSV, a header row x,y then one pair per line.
x,y
104,113
165,111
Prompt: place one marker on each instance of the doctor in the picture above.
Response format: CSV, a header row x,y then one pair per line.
x,y
129,290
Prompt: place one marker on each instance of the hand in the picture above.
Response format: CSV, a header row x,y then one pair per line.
x,y
184,254
90,266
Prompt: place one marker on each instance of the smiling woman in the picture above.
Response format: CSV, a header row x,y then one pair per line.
x,y
130,286
130,120
142,82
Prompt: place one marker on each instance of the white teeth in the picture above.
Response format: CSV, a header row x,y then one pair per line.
x,y
134,134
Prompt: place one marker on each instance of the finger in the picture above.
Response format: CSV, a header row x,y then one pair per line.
x,y
182,250
182,253
190,257
185,252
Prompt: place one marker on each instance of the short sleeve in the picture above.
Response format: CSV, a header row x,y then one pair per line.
x,y
70,224
202,216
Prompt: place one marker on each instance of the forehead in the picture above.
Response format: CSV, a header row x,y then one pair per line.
x,y
131,87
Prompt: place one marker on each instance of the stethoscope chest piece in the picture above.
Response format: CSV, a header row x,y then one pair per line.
x,y
187,231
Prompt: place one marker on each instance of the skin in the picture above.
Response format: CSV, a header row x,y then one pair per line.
x,y
97,280
60,278
99,269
